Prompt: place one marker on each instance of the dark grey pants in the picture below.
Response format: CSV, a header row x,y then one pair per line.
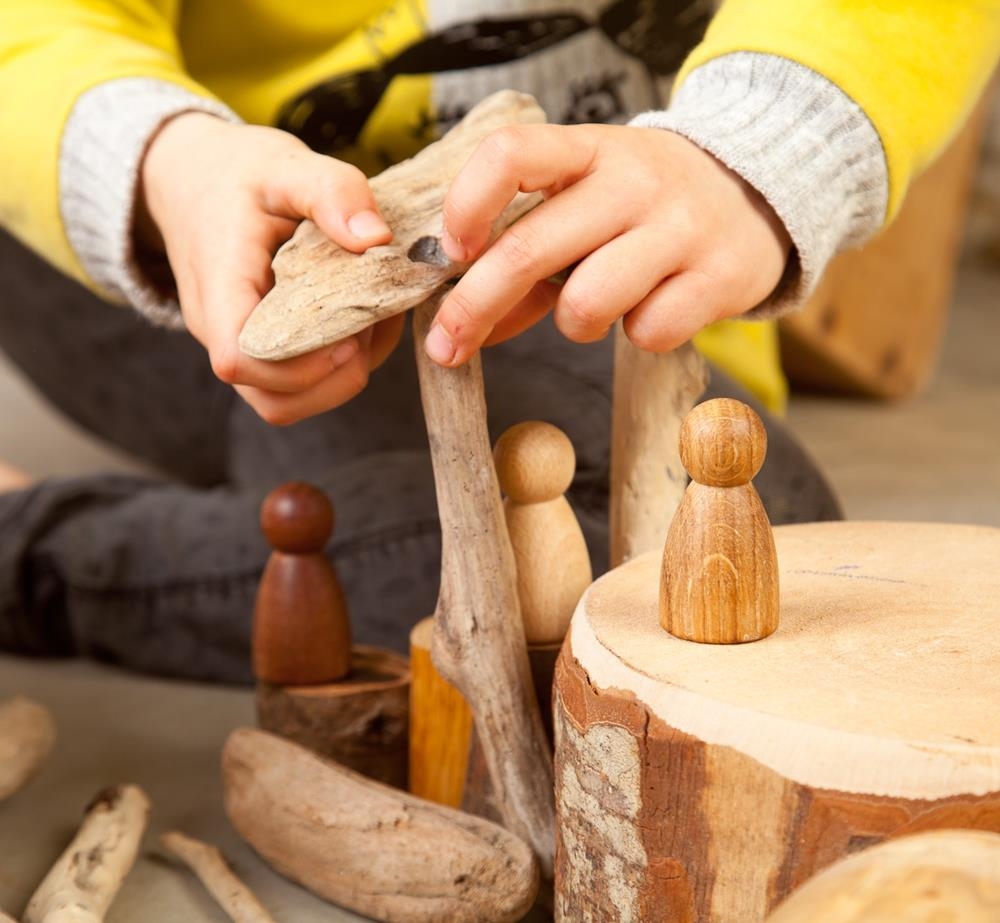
x,y
160,575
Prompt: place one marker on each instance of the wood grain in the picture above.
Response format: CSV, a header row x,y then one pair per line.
x,y
323,293
361,721
719,579
84,881
535,466
478,642
652,394
927,878
440,726
301,629
368,847
714,780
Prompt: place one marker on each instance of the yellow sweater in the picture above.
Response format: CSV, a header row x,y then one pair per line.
x,y
914,67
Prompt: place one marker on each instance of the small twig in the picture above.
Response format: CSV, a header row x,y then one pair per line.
x,y
27,733
84,881
212,870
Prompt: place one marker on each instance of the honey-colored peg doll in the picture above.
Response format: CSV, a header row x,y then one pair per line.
x,y
535,465
301,631
719,582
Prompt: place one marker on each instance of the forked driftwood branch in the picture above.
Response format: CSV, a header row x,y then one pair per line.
x,y
212,870
323,293
372,848
479,644
27,733
84,881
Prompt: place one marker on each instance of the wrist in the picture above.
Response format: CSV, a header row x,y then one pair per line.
x,y
167,159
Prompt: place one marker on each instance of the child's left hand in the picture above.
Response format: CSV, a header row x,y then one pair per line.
x,y
665,236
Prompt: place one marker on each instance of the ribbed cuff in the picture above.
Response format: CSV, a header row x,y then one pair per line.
x,y
798,140
103,143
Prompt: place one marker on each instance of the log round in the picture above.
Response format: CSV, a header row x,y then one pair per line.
x,y
705,782
361,721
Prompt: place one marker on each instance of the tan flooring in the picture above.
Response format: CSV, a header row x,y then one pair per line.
x,y
935,457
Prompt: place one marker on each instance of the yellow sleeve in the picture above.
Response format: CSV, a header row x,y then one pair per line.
x,y
915,67
52,51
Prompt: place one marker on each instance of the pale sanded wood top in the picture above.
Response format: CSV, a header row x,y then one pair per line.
x,y
889,636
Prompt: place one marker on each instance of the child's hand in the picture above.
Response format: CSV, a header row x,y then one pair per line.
x,y
668,237
223,198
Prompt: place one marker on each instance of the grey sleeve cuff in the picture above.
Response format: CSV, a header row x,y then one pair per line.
x,y
103,143
798,140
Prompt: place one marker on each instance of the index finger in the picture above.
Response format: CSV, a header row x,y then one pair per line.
x,y
518,158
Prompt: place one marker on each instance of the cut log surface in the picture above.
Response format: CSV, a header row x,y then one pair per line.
x,y
368,847
27,734
949,875
360,721
708,781
323,293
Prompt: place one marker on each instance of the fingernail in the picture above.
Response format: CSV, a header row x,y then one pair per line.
x,y
439,345
344,352
454,247
366,225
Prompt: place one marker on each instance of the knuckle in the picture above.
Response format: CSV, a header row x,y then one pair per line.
x,y
225,365
503,147
460,314
518,250
580,310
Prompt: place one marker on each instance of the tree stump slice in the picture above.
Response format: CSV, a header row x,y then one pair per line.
x,y
361,722
705,782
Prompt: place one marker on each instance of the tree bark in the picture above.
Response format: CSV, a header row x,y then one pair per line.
x,y
706,782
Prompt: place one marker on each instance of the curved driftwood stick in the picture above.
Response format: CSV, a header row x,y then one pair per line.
x,y
478,643
84,881
212,870
323,293
652,394
27,733
372,848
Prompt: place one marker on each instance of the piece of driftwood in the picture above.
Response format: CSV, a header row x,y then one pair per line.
x,y
478,643
360,721
440,726
6,918
84,881
210,867
706,781
652,394
27,734
301,630
369,847
323,293
948,875
719,581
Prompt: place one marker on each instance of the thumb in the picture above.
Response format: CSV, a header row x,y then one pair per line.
x,y
333,194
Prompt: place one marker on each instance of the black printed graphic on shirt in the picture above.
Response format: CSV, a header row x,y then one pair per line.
x,y
331,115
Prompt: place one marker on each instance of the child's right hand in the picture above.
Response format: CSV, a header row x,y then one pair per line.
x,y
220,199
